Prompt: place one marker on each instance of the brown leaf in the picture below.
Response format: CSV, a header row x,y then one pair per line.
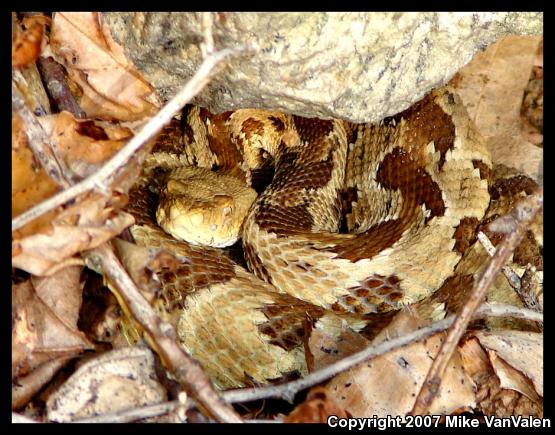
x,y
388,384
492,88
62,292
317,407
85,225
26,387
26,44
30,184
329,343
44,336
85,145
112,87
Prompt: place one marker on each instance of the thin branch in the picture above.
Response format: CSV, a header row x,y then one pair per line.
x,y
39,141
161,336
289,390
104,177
129,415
521,216
207,47
58,89
510,274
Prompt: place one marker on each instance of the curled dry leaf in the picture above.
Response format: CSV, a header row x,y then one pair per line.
x,y
117,380
388,384
112,87
520,349
317,407
491,397
492,88
512,379
40,331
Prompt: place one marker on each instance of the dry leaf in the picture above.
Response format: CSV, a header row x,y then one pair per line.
x,y
44,331
317,407
84,145
117,380
38,331
512,379
492,88
520,349
330,342
388,384
85,225
112,87
51,242
491,398
62,292
26,44
30,184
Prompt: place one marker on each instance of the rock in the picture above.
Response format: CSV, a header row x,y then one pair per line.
x,y
356,66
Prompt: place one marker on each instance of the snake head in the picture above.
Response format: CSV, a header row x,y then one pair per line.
x,y
201,209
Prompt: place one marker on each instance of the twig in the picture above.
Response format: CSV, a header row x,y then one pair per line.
x,y
207,47
504,310
289,390
39,142
162,336
129,415
512,277
104,177
522,215
58,89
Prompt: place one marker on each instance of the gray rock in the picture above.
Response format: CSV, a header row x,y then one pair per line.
x,y
356,66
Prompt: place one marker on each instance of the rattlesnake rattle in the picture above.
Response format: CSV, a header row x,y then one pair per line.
x,y
410,191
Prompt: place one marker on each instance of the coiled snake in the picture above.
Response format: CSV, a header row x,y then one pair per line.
x,y
358,219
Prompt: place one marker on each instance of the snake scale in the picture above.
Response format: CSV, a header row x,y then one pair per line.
x,y
358,220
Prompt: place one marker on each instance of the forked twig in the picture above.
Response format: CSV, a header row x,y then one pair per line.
x,y
288,390
519,219
104,177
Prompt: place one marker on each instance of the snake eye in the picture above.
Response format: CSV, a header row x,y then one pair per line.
x,y
227,211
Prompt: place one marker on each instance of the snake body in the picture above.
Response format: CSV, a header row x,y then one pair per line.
x,y
359,219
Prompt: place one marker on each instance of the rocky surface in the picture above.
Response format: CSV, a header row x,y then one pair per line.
x,y
356,66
